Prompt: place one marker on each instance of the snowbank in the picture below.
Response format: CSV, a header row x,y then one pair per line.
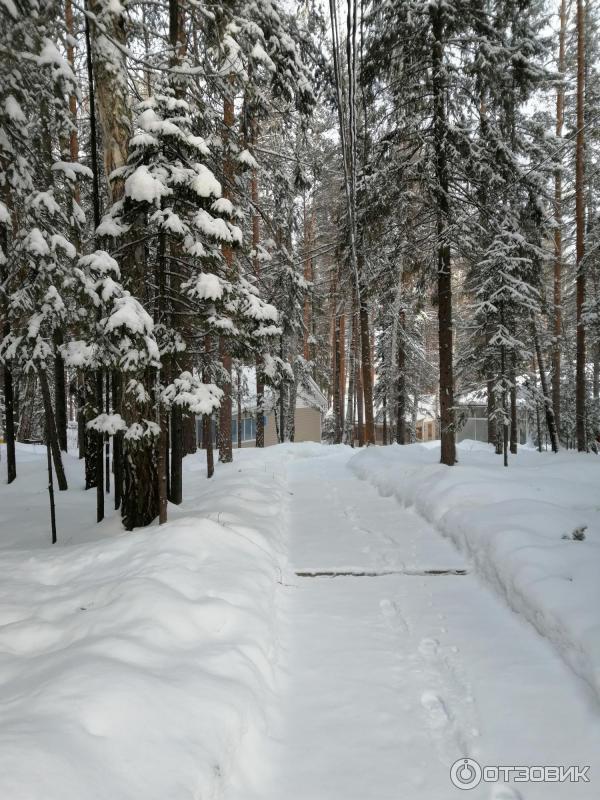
x,y
138,665
521,526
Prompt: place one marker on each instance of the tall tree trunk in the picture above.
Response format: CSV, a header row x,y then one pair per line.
x,y
60,396
444,276
161,467
190,445
9,425
225,446
349,418
514,423
111,89
549,409
99,450
260,386
9,401
560,106
50,489
176,485
491,413
337,382
359,399
580,382
208,445
207,439
116,387
239,408
308,276
342,367
401,386
367,372
106,436
52,437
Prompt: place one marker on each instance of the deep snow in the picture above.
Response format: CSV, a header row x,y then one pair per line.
x,y
135,665
519,525
192,662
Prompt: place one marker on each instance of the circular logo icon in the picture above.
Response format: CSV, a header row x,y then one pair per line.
x,y
465,773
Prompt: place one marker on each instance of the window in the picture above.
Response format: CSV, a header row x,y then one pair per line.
x,y
247,427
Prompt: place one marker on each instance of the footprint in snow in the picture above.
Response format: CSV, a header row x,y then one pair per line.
x,y
436,710
392,614
428,647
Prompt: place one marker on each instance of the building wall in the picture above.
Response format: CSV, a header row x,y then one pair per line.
x,y
308,428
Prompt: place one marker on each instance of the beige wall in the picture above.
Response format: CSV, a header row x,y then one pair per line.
x,y
308,427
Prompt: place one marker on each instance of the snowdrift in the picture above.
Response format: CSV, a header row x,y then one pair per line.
x,y
532,530
139,666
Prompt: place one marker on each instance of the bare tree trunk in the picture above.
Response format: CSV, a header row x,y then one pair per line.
x,y
367,372
349,418
94,452
580,382
359,401
401,387
491,416
560,106
60,395
106,436
337,382
112,93
99,460
550,421
514,424
9,425
260,386
161,467
51,431
342,367
444,281
51,489
225,445
9,401
308,276
176,494
239,407
117,440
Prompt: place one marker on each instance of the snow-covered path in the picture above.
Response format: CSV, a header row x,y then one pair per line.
x,y
390,679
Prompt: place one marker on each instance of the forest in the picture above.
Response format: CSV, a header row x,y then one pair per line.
x,y
299,399
397,200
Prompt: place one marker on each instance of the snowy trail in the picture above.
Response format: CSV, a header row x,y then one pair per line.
x,y
390,679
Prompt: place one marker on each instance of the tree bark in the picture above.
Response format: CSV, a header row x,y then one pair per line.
x,y
161,467
444,276
337,382
9,425
560,106
550,421
580,381
225,444
401,386
349,417
176,486
51,431
367,373
514,423
99,447
9,400
60,395
51,490
116,388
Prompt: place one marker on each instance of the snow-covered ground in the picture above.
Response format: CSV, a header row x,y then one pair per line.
x,y
134,665
532,530
191,661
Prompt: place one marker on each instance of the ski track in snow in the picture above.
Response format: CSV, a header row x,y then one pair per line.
x,y
386,681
